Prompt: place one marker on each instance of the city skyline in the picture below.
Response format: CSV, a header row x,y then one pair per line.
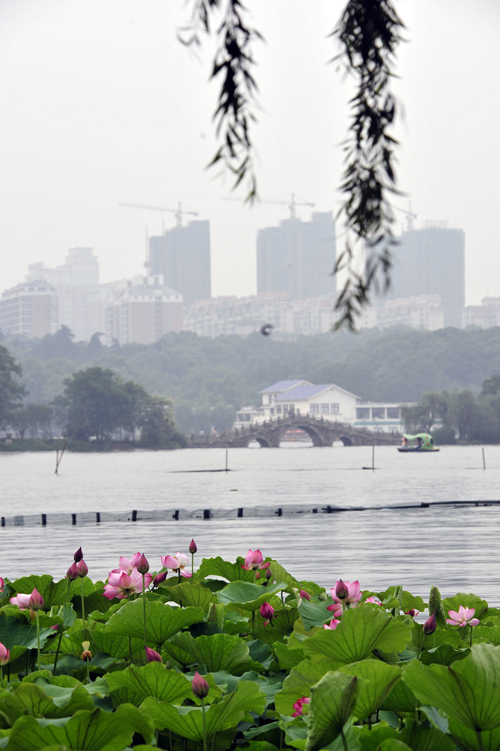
x,y
119,111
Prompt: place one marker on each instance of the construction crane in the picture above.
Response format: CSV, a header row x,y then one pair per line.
x,y
178,212
291,204
410,216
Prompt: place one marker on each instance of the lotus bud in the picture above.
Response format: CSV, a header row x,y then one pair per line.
x,y
193,548
322,597
86,654
78,555
152,656
143,565
430,625
4,654
412,613
341,590
266,610
159,578
305,595
82,567
268,575
199,686
72,572
36,600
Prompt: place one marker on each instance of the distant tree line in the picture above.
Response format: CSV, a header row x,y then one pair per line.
x,y
458,414
208,380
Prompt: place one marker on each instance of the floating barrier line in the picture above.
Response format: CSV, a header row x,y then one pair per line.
x,y
168,515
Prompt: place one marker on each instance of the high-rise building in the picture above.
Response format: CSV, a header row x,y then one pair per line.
x,y
142,310
77,285
431,261
182,256
29,310
297,257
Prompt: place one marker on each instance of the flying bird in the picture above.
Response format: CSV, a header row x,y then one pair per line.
x,y
266,329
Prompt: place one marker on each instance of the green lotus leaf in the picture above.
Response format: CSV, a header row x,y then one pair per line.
x,y
486,634
45,700
470,740
332,701
360,631
299,683
443,655
371,738
53,593
401,699
175,649
191,594
287,658
468,691
248,596
92,731
314,613
230,571
188,721
393,744
14,631
115,645
218,652
379,680
421,738
162,621
410,602
447,635
133,685
260,746
281,575
467,601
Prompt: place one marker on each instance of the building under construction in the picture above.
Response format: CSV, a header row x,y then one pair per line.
x,y
297,257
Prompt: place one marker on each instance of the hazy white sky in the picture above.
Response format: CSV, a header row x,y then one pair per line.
x,y
101,104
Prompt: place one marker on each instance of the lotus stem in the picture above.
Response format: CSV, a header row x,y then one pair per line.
x,y
68,600
130,649
344,741
204,725
57,654
479,740
470,639
253,625
192,564
38,639
82,596
144,613
1,677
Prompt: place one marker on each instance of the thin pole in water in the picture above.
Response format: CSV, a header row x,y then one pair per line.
x,y
227,451
59,458
373,456
484,461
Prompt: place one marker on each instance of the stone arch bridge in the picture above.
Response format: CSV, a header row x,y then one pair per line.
x,y
269,434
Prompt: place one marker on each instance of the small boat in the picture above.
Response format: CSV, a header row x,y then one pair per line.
x,y
420,443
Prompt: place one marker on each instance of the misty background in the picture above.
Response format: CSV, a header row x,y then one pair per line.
x,y
102,104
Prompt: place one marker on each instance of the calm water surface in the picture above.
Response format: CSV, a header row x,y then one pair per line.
x,y
454,548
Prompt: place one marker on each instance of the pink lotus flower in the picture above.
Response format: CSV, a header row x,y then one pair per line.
x,y
345,592
176,564
152,656
463,617
299,706
127,565
412,612
430,625
4,654
72,572
36,600
332,625
22,601
336,609
255,560
305,595
2,584
372,599
199,686
121,585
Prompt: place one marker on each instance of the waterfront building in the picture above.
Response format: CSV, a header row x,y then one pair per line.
x,y
182,256
422,312
297,257
325,401
431,261
485,315
142,310
29,310
76,283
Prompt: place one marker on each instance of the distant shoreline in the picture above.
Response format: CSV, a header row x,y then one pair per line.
x,y
26,445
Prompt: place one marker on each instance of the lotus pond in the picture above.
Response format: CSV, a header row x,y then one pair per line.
x,y
242,655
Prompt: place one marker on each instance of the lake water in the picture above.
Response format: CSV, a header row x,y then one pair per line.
x,y
455,548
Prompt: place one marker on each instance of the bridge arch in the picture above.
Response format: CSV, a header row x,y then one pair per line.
x,y
313,434
345,440
263,442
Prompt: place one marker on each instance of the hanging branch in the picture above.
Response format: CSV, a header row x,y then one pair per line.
x,y
369,32
233,65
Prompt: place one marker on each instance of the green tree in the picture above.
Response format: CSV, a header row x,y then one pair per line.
x,y
96,402
158,422
11,391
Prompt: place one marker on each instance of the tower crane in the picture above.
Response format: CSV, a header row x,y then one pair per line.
x,y
410,216
291,204
178,212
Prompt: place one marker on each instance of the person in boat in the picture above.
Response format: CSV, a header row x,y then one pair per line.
x,y
419,442
404,442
